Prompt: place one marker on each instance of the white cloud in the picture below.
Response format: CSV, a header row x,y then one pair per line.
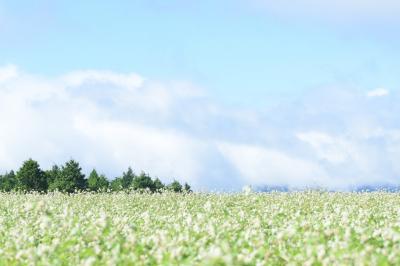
x,y
379,92
333,149
8,72
332,137
110,121
262,166
166,152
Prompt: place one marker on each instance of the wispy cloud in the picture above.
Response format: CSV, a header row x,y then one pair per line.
x,y
332,137
379,92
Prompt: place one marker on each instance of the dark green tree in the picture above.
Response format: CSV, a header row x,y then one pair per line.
x,y
127,178
97,182
70,178
116,184
8,182
175,186
52,175
143,181
158,185
187,188
30,177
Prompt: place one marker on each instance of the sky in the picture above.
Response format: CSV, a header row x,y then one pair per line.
x,y
220,94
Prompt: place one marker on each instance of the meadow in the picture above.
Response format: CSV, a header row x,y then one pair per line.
x,y
307,228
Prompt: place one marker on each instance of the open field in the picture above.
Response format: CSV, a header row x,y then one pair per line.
x,y
200,229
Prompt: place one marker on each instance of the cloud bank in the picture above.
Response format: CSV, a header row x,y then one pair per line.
x,y
334,137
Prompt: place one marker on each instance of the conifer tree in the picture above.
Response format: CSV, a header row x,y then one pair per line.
x,y
187,188
97,182
158,185
116,184
8,182
70,178
175,186
30,177
143,181
127,178
53,175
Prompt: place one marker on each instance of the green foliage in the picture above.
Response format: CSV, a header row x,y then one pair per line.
x,y
30,177
175,186
127,178
187,188
70,178
143,181
53,175
116,184
97,182
158,185
8,182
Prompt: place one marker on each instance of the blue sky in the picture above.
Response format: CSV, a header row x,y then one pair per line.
x,y
237,49
292,83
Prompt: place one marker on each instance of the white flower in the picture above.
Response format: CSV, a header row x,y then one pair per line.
x,y
247,190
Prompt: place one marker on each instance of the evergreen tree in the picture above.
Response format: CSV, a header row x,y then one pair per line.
x,y
158,185
30,177
187,188
70,178
127,178
143,181
53,175
97,182
175,186
103,182
8,182
116,184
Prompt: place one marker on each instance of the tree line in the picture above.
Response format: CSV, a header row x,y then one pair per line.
x,y
69,178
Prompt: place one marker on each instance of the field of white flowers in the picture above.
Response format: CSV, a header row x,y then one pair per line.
x,y
200,229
